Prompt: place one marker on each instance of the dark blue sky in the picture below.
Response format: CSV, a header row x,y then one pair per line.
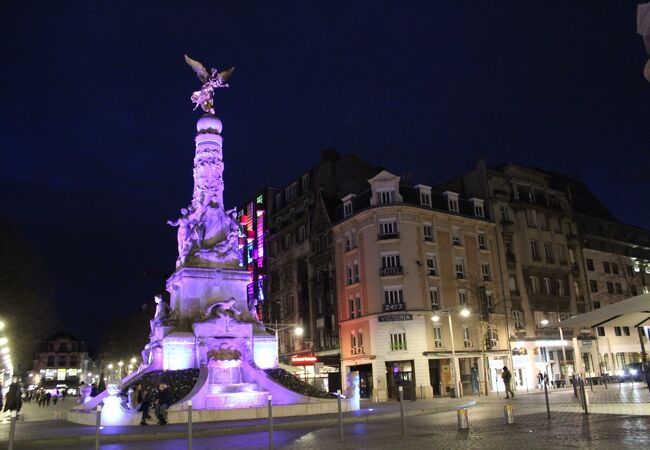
x,y
96,126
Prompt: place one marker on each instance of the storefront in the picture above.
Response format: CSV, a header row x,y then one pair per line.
x,y
400,374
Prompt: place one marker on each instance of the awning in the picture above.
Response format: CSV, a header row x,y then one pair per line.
x,y
631,312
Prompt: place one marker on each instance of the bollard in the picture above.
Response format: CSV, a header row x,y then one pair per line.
x,y
401,408
548,408
98,423
440,389
583,394
591,384
508,415
575,387
338,399
270,421
463,421
189,425
421,391
12,430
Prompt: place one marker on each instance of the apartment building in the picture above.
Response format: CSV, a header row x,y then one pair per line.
x,y
418,303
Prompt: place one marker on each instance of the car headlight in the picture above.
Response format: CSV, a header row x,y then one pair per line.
x,y
633,371
620,372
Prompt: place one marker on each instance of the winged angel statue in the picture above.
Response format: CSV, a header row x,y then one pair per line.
x,y
211,81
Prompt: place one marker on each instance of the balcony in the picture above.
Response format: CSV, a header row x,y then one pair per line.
x,y
428,238
456,243
460,276
390,271
432,273
389,307
386,236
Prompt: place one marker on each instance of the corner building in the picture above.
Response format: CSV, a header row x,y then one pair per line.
x,y
405,254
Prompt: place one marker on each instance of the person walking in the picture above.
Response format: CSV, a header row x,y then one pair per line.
x,y
55,398
507,377
14,400
48,397
63,394
163,402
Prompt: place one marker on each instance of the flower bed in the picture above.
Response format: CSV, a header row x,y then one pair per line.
x,y
295,384
179,382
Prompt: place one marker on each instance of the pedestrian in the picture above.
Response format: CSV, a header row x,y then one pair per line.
x,y
13,401
93,390
48,397
507,376
55,397
39,398
144,399
546,380
540,380
63,394
163,402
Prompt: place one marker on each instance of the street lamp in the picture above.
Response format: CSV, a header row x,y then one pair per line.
x,y
2,325
133,360
4,341
464,312
298,331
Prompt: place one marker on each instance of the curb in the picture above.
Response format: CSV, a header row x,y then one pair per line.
x,y
157,436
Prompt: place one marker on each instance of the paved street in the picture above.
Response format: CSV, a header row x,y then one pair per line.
x,y
619,418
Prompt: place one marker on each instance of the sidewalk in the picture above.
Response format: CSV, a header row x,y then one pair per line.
x,y
53,433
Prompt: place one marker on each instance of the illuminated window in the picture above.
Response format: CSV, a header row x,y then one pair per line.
x,y
482,241
462,296
437,337
432,266
467,338
518,319
398,341
434,297
427,229
456,236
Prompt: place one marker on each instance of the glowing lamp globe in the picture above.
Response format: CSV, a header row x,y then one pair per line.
x,y
209,122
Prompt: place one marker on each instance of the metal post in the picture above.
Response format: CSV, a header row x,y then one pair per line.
x,y
338,399
463,421
575,387
508,415
97,426
401,408
270,422
12,430
440,386
591,384
189,425
563,372
585,402
548,408
421,392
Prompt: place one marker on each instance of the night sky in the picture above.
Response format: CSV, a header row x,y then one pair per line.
x,y
96,125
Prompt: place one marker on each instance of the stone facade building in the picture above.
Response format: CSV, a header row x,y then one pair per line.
x,y
406,255
63,361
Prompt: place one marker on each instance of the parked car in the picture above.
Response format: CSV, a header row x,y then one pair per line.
x,y
631,372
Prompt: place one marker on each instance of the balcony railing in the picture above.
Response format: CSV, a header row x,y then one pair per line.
x,y
384,236
392,270
394,307
460,276
432,273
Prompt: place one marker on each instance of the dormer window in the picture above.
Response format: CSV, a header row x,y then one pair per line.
x,y
348,208
290,192
386,197
452,201
425,195
479,210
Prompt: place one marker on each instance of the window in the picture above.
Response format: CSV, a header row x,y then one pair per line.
x,y
482,242
386,197
489,301
357,300
534,287
360,341
534,251
305,182
348,243
353,342
518,319
287,241
432,269
503,213
531,217
356,271
351,307
485,270
73,361
425,199
548,251
617,331
512,282
301,233
626,331
478,210
593,285
348,270
618,288
547,286
606,267
561,253
601,331
590,265
347,209
62,361
560,287
290,192
493,337
289,304
397,341
615,268
462,296
437,337
388,228
452,203
610,287
434,297
455,236
390,261
467,338
393,296
278,200
427,229
50,361
460,268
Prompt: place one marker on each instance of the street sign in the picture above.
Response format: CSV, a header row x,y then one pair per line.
x,y
304,360
395,317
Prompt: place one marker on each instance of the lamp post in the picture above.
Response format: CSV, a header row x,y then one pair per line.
x,y
455,365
